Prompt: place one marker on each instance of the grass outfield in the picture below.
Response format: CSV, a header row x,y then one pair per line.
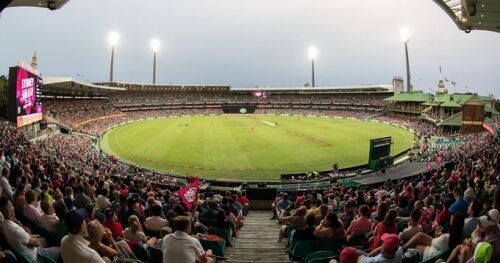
x,y
248,146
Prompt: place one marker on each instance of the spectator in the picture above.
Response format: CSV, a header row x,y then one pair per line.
x,y
112,224
21,241
296,220
330,227
191,248
49,219
115,251
460,205
389,252
31,211
360,225
155,222
429,247
388,226
306,233
74,248
103,200
413,226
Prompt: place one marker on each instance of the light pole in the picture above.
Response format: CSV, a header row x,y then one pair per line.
x,y
313,53
405,38
113,40
155,44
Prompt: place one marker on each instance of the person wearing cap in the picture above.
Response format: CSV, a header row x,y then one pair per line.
x,y
20,240
180,247
487,231
389,252
74,248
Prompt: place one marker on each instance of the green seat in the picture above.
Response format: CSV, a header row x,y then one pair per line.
x,y
401,226
334,244
305,247
319,257
222,233
156,254
216,247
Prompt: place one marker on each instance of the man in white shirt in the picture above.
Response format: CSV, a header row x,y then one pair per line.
x,y
413,226
180,247
4,183
49,219
103,200
31,211
20,240
74,248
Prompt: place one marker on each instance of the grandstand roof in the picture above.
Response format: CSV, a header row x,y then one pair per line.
x,y
416,96
50,4
75,87
473,14
358,88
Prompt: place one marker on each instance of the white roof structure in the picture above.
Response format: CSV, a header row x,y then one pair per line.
x,y
50,4
69,85
471,15
360,88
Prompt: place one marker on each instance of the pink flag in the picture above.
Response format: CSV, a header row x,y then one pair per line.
x,y
189,193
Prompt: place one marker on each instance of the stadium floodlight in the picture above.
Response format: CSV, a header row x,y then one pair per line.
x,y
155,44
113,40
313,54
405,38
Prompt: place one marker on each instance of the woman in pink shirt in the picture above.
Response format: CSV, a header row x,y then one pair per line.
x,y
361,224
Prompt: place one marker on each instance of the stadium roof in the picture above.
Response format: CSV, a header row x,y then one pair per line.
x,y
74,87
361,88
473,14
416,96
50,4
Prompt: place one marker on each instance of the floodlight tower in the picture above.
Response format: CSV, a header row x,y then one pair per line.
x,y
155,44
405,38
113,40
313,53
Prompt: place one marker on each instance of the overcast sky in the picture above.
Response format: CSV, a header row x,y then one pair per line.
x,y
246,43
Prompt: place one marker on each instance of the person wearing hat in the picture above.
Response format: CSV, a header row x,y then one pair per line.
x,y
487,231
389,252
74,248
20,240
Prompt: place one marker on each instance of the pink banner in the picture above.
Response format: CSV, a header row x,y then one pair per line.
x,y
189,193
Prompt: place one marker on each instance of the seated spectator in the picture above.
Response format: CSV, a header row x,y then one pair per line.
x,y
389,252
221,221
60,210
75,248
243,200
487,231
430,247
330,227
21,241
103,200
193,251
296,220
115,251
112,224
209,213
306,233
69,199
413,226
155,222
443,216
20,198
361,224
134,232
31,211
81,198
388,226
49,219
348,214
4,183
472,221
460,205
425,220
283,205
321,213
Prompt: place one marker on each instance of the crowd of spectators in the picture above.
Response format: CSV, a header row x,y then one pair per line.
x,y
451,214
60,200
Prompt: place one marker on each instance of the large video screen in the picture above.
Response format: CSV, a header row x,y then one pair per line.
x,y
26,88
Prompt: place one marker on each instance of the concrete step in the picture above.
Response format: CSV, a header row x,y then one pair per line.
x,y
265,245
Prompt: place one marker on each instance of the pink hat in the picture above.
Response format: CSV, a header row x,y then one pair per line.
x,y
390,241
348,255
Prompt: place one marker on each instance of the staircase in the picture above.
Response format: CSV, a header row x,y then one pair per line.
x,y
257,241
